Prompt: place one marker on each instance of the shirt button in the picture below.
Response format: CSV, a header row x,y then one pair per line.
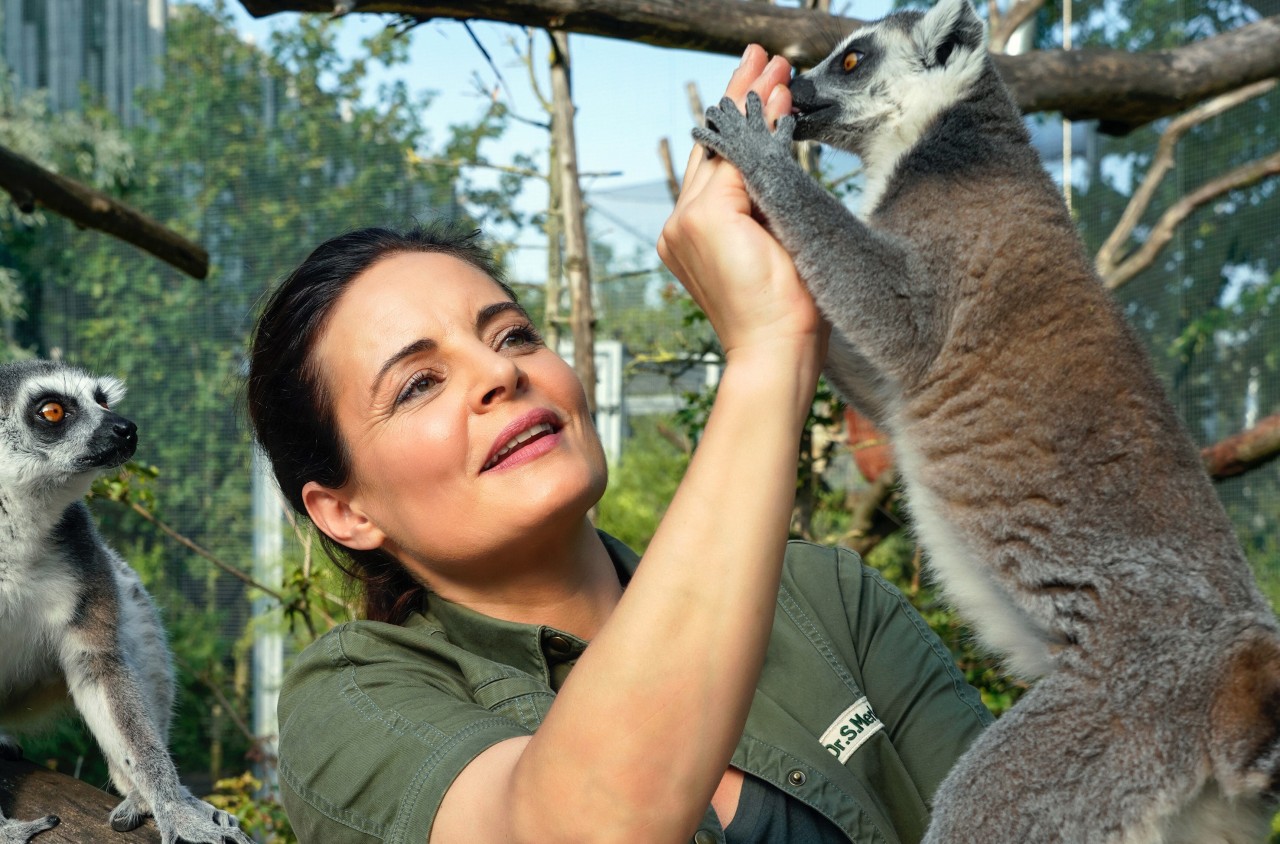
x,y
704,836
797,777
559,646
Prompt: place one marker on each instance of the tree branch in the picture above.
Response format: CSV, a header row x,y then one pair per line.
x,y
1123,90
1162,232
1246,450
1162,162
1003,27
29,184
201,552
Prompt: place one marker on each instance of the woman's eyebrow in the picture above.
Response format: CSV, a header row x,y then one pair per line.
x,y
416,347
489,312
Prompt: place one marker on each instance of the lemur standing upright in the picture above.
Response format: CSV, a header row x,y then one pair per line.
x,y
1062,505
74,617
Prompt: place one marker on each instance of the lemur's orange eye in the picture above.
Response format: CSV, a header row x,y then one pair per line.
x,y
51,411
851,60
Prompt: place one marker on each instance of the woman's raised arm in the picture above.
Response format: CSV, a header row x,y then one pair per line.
x,y
642,731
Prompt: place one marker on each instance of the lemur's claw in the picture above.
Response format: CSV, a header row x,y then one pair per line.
x,y
130,814
196,822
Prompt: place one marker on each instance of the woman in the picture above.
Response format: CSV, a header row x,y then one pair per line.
x,y
411,411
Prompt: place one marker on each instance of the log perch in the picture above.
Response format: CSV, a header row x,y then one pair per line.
x,y
30,184
29,791
1246,450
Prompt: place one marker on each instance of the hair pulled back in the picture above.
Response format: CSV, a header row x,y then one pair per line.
x,y
290,408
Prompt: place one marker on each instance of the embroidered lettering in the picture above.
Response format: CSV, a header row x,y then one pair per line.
x,y
851,730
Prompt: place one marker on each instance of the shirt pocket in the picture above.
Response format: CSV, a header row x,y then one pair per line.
x,y
516,695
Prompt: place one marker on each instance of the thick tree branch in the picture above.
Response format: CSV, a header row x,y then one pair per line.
x,y
30,184
1244,451
1122,90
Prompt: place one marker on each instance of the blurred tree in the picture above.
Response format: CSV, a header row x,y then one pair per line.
x,y
257,152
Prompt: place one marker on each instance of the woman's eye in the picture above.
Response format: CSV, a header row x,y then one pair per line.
x,y
525,335
420,383
52,411
851,60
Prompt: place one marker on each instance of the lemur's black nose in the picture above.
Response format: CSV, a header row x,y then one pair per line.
x,y
126,431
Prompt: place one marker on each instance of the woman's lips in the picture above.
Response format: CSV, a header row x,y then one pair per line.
x,y
527,437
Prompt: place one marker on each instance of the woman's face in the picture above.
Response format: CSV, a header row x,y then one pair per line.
x,y
467,436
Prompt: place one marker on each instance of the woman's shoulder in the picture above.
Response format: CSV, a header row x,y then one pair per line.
x,y
836,577
813,562
365,649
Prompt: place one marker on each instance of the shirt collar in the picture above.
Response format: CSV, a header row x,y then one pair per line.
x,y
536,649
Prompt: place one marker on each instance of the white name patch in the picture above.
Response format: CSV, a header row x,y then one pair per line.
x,y
854,726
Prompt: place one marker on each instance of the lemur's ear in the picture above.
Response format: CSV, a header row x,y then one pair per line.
x,y
949,24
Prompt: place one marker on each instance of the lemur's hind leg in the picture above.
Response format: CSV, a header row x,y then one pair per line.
x,y
109,696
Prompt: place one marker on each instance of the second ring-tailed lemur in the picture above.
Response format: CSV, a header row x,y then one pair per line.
x,y
74,618
1061,504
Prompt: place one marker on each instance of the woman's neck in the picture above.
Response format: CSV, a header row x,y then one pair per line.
x,y
564,580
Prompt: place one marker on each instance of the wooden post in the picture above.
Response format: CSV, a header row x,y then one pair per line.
x,y
576,263
555,244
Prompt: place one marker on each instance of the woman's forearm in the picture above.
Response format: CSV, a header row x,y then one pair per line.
x,y
646,724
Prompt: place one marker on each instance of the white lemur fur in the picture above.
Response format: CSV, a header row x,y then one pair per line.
x,y
1062,505
75,622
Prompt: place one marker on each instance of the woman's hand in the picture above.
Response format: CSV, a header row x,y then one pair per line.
x,y
735,270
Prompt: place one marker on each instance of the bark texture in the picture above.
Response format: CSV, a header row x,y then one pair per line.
x,y
28,791
1121,90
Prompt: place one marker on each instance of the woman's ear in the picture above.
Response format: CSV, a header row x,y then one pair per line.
x,y
333,512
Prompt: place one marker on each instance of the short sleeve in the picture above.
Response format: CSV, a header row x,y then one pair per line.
x,y
375,725
910,678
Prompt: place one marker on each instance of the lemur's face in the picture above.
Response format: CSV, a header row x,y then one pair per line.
x,y
879,89
56,425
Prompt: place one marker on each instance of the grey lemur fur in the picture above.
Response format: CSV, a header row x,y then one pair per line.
x,y
1062,505
74,618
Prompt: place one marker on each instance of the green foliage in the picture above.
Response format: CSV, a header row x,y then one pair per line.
x,y
261,815
257,152
642,483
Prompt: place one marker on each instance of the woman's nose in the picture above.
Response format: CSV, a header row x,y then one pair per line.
x,y
500,379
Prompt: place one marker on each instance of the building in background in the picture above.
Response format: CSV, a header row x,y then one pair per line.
x,y
109,48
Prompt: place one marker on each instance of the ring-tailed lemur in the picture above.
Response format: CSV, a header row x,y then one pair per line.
x,y
74,617
1062,505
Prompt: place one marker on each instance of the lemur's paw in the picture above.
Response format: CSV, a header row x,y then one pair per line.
x,y
196,822
10,749
20,832
130,814
746,140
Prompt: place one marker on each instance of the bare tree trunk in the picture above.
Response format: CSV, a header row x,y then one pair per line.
x,y
555,244
576,264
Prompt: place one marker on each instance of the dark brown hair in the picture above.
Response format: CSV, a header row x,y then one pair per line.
x,y
292,413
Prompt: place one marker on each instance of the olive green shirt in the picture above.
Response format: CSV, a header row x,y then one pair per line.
x,y
859,711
